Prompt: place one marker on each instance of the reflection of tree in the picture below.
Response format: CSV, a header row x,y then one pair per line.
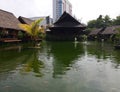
x,y
105,51
11,58
116,59
96,49
64,54
33,65
100,50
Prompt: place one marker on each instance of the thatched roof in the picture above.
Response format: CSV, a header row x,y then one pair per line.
x,y
95,31
66,20
8,20
25,20
110,30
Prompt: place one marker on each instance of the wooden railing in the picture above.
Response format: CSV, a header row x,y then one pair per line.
x,y
9,40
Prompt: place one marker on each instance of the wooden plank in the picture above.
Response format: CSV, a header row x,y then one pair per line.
x,y
11,40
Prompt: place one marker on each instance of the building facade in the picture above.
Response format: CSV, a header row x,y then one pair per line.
x,y
59,6
47,21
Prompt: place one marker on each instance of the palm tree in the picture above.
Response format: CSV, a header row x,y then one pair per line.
x,y
33,64
33,30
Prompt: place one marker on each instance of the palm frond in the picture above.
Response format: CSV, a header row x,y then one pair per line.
x,y
25,27
33,29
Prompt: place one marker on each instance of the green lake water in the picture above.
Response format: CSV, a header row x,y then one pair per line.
x,y
60,67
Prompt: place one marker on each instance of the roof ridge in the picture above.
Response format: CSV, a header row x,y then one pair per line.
x,y
63,16
6,11
25,18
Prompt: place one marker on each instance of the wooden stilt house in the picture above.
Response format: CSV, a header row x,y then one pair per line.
x,y
110,32
66,28
8,27
95,34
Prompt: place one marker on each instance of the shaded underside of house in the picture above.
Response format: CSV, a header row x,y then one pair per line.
x,y
25,20
66,28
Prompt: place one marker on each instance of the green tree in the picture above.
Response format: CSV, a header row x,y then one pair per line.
x,y
33,30
107,21
117,36
91,24
33,64
116,21
100,22
88,30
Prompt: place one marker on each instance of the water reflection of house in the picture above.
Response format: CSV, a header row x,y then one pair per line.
x,y
65,54
66,28
9,28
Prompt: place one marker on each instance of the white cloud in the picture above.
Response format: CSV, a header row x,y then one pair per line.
x,y
44,7
82,9
91,9
27,8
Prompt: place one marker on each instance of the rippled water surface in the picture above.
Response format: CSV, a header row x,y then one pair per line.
x,y
60,67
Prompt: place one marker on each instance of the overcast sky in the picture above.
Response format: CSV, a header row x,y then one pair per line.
x,y
84,10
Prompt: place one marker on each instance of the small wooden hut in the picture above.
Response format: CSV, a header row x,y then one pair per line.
x,y
8,27
110,32
66,28
95,34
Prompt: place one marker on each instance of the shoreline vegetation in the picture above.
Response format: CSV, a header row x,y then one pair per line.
x,y
104,29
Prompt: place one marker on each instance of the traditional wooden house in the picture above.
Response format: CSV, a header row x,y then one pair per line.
x,y
110,32
66,28
95,34
8,27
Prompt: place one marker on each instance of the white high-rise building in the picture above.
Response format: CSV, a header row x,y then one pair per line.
x,y
59,6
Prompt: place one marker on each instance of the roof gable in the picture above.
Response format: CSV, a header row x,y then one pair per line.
x,y
95,31
66,20
25,20
110,30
